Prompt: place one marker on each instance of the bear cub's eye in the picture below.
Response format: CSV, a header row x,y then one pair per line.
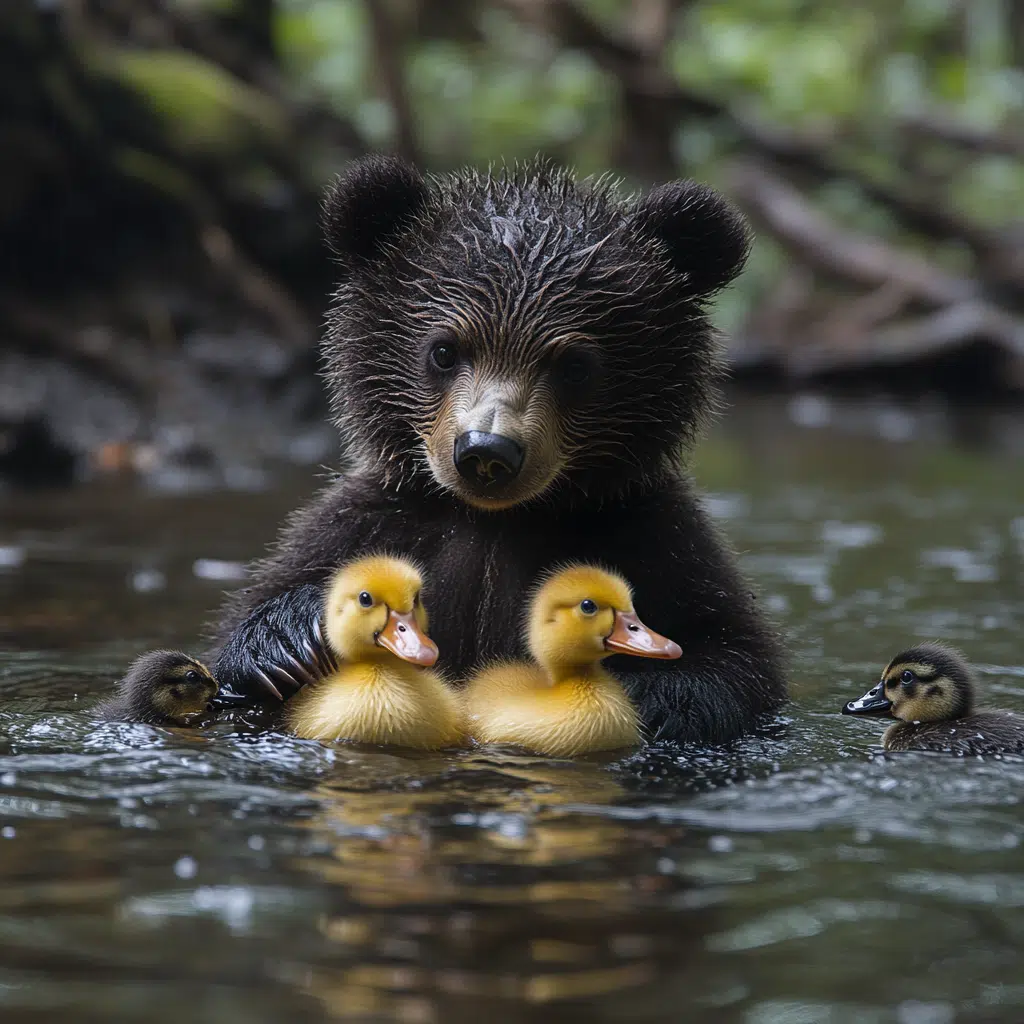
x,y
575,373
575,368
588,607
366,599
444,354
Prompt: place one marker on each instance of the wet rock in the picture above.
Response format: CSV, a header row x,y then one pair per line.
x,y
31,456
249,353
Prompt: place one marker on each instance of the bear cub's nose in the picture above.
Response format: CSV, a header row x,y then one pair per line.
x,y
487,459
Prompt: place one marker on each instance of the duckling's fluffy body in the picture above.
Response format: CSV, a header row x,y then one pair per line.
x,y
518,704
566,703
376,625
930,689
376,703
984,732
161,688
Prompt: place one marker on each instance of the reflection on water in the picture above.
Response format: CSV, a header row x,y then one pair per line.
x,y
236,874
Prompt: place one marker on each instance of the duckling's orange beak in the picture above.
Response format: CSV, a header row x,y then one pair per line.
x,y
403,637
630,636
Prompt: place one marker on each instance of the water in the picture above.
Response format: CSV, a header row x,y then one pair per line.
x,y
238,875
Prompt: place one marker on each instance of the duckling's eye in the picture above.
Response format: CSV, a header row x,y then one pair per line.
x,y
366,599
588,607
907,676
191,676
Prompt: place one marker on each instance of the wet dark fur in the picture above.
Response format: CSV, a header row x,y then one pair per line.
x,y
984,732
133,701
520,259
516,256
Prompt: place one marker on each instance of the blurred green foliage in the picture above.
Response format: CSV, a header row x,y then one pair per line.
x,y
241,110
509,94
203,109
512,90
846,72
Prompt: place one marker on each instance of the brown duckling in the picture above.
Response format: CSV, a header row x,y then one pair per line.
x,y
565,703
161,688
382,690
930,688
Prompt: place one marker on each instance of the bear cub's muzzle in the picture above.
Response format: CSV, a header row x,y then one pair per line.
x,y
487,460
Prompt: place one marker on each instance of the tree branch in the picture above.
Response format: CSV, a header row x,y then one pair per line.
x,y
945,128
897,277
388,48
913,339
647,85
856,258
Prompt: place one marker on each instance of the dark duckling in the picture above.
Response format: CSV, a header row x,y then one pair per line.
x,y
161,688
930,689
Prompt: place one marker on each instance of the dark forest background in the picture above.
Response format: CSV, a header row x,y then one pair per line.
x,y
162,276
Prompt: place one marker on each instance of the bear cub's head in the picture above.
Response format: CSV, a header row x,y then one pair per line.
x,y
519,334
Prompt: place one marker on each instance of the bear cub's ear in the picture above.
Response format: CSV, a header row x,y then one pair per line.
x,y
706,236
368,205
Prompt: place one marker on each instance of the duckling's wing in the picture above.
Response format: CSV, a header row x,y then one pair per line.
x,y
986,732
998,731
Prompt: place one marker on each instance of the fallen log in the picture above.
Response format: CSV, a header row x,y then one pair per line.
x,y
916,309
857,258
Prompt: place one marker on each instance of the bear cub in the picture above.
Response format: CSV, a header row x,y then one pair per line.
x,y
519,363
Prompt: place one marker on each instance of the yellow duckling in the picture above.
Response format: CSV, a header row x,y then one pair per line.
x,y
375,622
566,703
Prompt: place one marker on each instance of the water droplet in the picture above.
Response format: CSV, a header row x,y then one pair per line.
x,y
11,557
145,581
895,425
185,867
914,1012
850,535
810,411
512,826
217,569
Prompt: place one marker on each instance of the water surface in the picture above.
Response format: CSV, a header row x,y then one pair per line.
x,y
238,875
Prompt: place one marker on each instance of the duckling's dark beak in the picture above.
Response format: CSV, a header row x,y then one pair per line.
x,y
403,637
630,636
874,702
